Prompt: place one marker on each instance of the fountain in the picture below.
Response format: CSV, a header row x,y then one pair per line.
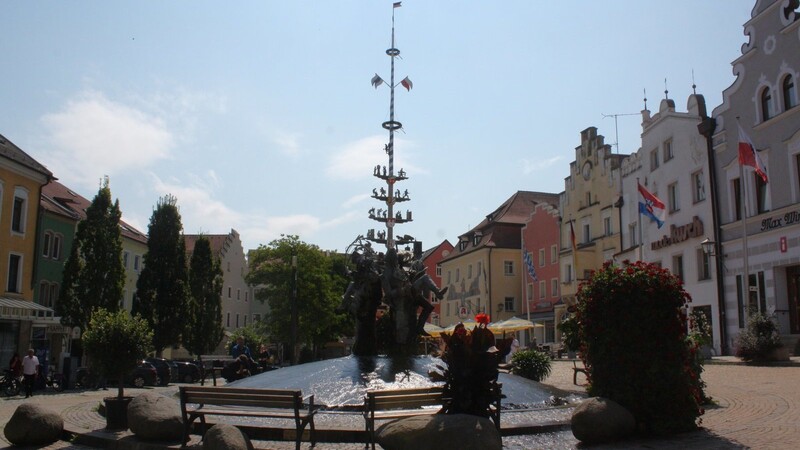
x,y
393,283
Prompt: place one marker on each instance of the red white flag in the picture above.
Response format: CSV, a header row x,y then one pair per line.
x,y
748,156
407,83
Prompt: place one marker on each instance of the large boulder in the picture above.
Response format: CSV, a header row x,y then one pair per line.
x,y
223,436
34,425
598,419
439,431
153,417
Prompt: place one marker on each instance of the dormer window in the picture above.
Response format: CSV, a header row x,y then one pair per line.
x,y
476,239
462,245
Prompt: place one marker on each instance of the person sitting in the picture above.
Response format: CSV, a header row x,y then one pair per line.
x,y
239,348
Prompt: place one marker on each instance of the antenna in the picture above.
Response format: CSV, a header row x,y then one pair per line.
x,y
616,129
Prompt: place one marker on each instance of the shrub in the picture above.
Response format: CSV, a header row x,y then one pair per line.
x,y
635,346
531,364
758,339
569,328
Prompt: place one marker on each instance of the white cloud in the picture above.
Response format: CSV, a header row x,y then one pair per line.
x,y
288,143
358,159
94,136
355,200
529,167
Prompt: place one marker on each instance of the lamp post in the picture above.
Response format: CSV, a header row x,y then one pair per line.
x,y
294,310
711,248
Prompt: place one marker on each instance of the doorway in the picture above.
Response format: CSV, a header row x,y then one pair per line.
x,y
793,289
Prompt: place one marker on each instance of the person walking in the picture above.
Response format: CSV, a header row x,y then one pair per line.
x,y
30,369
15,365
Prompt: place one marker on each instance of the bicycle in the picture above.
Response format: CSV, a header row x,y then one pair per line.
x,y
55,381
10,384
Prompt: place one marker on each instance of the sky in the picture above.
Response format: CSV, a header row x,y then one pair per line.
x,y
259,116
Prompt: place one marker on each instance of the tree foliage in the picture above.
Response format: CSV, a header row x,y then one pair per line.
x,y
162,292
320,286
204,330
94,276
115,341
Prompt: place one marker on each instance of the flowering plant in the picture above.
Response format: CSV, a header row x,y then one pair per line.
x,y
635,346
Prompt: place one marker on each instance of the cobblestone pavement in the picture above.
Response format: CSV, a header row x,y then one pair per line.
x,y
755,407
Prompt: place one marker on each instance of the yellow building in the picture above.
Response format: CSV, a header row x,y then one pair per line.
x,y
21,181
590,233
484,272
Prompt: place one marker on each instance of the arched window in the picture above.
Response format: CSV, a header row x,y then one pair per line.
x,y
789,93
766,104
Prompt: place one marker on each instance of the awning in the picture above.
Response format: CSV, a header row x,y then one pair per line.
x,y
22,309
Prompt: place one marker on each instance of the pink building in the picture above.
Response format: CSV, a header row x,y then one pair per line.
x,y
540,238
431,259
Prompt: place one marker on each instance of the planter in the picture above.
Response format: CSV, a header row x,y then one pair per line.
x,y
117,412
779,354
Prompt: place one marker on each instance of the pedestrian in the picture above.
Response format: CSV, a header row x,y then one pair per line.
x,y
30,369
514,349
15,366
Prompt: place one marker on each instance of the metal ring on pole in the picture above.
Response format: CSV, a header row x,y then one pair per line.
x,y
392,125
392,51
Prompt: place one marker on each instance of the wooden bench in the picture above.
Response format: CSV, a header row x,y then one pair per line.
x,y
197,402
576,370
399,403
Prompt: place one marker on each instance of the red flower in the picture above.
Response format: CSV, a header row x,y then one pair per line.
x,y
482,319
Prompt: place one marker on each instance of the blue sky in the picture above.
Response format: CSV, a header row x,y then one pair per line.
x,y
260,116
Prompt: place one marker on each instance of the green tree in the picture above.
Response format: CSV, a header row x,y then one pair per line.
x,y
204,330
162,292
115,342
319,290
93,274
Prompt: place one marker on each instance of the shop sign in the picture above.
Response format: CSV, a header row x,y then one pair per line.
x,y
790,218
679,234
784,246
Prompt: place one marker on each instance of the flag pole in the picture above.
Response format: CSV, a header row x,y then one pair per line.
x,y
641,257
743,199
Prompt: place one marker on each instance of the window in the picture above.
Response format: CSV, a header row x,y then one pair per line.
x,y
238,294
245,320
541,257
19,211
54,288
125,257
136,263
654,159
469,272
588,198
458,274
237,320
587,235
668,150
554,287
677,266
508,304
479,268
508,268
553,254
46,240
698,187
568,273
529,291
448,277
607,229
736,187
476,239
56,253
229,296
228,320
439,270
761,195
789,93
632,233
703,265
542,289
14,273
44,293
766,104
246,295
674,201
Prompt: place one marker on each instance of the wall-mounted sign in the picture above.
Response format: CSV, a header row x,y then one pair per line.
x,y
783,245
790,218
679,234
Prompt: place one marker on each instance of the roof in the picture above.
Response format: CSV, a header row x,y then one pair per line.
x,y
219,242
10,151
501,227
430,251
61,200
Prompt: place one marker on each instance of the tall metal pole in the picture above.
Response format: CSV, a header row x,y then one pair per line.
x,y
294,310
393,53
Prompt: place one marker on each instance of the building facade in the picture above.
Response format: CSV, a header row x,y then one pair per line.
x,y
540,237
483,273
760,221
22,321
431,258
673,164
590,222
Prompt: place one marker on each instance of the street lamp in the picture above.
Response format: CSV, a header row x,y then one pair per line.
x,y
708,247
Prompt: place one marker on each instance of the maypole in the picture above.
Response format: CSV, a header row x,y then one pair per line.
x,y
390,194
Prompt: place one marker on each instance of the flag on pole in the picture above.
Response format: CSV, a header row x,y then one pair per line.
x,y
574,249
651,206
748,156
397,4
407,83
526,257
376,81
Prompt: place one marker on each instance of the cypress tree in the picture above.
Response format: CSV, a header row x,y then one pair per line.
x,y
162,291
204,327
93,274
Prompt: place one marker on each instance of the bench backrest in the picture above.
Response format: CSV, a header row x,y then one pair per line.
x,y
404,398
252,397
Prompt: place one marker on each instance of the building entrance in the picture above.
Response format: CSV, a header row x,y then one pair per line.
x,y
793,288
